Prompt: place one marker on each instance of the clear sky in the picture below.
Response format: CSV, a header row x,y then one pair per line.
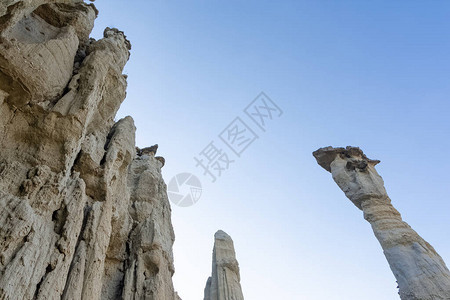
x,y
373,74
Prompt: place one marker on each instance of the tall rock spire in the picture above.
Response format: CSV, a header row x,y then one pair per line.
x,y
224,283
420,271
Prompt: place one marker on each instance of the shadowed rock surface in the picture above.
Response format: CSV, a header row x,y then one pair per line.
x,y
82,216
420,271
224,283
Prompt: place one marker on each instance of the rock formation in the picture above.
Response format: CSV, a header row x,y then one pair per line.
x,y
420,271
224,283
82,215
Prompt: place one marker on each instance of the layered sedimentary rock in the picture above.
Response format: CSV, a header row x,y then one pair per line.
x,y
420,271
224,283
82,216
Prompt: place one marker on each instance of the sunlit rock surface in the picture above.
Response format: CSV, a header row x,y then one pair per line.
x,y
224,283
420,271
82,216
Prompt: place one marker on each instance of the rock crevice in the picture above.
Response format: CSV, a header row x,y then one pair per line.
x,y
82,215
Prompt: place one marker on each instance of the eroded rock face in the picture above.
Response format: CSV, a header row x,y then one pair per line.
x,y
82,216
224,283
420,271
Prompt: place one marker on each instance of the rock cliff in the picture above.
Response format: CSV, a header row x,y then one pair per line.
x,y
82,215
420,271
224,283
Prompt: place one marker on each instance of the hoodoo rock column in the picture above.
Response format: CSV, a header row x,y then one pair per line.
x,y
420,271
224,283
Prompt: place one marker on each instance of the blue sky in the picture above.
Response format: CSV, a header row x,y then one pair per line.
x,y
369,74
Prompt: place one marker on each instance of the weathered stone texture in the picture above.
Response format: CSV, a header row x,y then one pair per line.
x,y
420,271
224,283
82,216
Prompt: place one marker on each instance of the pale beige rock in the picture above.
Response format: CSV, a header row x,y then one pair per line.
x,y
150,261
224,283
39,42
420,271
82,216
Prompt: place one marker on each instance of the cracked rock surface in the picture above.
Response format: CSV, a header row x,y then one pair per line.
x,y
224,283
420,271
82,216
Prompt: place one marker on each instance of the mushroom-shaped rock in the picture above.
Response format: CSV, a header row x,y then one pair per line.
x,y
420,271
